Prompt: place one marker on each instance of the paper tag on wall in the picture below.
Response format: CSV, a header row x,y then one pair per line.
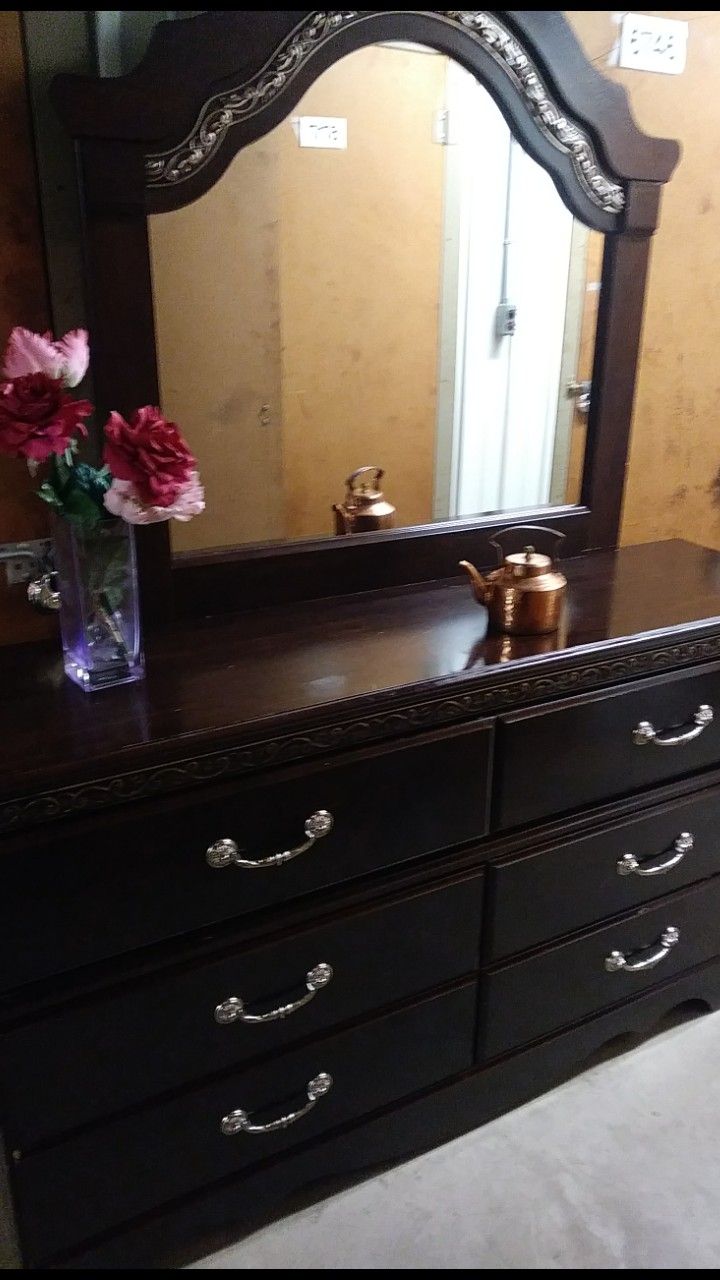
x,y
322,131
653,44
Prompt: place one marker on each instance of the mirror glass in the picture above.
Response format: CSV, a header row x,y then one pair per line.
x,y
386,280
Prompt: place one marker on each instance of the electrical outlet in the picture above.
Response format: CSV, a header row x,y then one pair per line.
x,y
24,560
505,320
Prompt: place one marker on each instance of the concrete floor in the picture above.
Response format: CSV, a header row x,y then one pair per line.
x,y
619,1168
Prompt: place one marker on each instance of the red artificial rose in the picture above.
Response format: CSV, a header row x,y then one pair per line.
x,y
37,417
149,451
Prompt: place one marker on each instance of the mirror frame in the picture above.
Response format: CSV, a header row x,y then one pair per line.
x,y
161,136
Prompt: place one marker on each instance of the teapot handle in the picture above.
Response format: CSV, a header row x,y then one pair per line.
x,y
521,540
350,482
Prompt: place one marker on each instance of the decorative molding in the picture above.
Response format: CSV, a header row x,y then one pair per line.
x,y
463,704
177,164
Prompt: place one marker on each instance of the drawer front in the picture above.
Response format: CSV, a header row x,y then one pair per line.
x,y
95,889
575,753
108,1175
555,988
544,895
90,1061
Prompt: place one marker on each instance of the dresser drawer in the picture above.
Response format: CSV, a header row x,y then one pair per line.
x,y
88,1061
88,890
105,1176
565,983
543,895
582,751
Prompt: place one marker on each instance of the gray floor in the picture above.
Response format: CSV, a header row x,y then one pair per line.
x,y
619,1168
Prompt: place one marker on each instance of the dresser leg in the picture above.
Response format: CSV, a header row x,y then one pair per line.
x,y
10,1256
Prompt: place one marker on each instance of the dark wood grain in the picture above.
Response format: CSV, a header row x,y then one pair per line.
x,y
145,877
115,1049
576,882
530,998
303,680
195,1226
131,923
63,1189
117,122
617,344
207,582
601,103
591,751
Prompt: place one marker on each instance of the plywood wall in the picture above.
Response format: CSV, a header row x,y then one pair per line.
x,y
673,484
586,354
217,315
23,300
297,310
361,237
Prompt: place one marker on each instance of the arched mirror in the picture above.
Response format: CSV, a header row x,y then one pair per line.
x,y
384,263
357,290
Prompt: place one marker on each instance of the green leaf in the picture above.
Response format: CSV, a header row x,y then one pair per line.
x,y
91,480
80,508
61,471
48,494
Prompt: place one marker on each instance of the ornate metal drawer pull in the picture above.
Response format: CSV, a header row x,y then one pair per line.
x,y
225,853
233,1009
240,1122
629,865
645,732
647,960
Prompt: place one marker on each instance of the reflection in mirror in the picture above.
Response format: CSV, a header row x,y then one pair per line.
x,y
385,280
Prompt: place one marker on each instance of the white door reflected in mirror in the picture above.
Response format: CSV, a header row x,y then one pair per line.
x,y
385,280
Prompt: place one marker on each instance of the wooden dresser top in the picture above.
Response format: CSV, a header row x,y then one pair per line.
x,y
288,682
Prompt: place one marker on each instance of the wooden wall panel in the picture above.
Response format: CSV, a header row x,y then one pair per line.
x,y
23,300
361,238
217,317
296,307
673,484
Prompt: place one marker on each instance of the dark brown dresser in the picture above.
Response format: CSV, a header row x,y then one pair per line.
x,y
337,883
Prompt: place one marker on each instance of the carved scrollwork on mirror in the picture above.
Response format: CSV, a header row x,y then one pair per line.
x,y
510,198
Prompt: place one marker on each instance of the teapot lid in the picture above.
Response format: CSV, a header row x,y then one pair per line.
x,y
528,563
362,490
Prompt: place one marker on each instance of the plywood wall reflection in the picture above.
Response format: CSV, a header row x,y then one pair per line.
x,y
360,251
586,354
23,300
673,482
297,308
217,314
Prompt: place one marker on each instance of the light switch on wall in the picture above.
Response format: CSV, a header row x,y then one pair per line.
x,y
649,43
322,131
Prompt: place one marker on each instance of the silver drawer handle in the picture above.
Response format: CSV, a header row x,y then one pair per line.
x,y
240,1122
225,853
629,865
618,960
233,1009
645,732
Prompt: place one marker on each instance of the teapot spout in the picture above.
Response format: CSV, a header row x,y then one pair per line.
x,y
479,585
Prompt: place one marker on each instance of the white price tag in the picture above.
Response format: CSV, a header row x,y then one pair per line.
x,y
653,44
322,131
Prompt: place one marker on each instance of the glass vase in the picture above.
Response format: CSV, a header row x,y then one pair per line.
x,y
99,603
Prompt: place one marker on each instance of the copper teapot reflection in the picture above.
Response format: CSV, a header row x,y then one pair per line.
x,y
524,597
365,508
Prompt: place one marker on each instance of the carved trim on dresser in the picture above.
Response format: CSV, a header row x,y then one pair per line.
x,y
287,748
176,164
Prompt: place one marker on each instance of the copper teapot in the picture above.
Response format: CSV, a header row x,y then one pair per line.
x,y
524,597
365,507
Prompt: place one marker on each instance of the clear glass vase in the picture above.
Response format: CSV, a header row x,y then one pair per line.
x,y
99,603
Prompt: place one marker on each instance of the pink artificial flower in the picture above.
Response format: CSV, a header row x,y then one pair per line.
x,y
37,418
151,453
122,499
29,352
